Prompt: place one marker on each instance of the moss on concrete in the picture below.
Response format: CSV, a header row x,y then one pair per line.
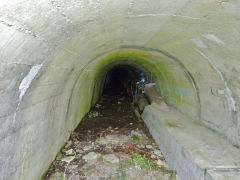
x,y
172,82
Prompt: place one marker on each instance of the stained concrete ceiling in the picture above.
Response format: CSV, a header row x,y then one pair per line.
x,y
53,54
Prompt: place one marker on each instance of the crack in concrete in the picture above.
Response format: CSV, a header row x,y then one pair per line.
x,y
26,31
5,23
163,14
227,91
16,63
18,27
24,64
224,168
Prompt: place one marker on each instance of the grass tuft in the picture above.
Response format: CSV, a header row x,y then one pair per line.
x,y
143,162
135,138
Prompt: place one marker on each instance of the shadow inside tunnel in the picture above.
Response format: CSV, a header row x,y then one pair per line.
x,y
112,128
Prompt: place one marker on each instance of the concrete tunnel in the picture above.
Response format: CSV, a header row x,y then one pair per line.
x,y
55,54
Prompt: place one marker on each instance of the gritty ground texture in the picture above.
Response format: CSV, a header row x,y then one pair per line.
x,y
110,143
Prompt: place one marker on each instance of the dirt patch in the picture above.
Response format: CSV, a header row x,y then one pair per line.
x,y
110,143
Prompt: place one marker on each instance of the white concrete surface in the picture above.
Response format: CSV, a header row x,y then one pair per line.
x,y
192,47
191,149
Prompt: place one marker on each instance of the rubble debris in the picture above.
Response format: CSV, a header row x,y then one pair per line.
x,y
113,145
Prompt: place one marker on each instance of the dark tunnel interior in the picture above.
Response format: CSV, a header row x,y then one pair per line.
x,y
121,81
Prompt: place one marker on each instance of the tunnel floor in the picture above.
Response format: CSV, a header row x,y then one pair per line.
x,y
111,142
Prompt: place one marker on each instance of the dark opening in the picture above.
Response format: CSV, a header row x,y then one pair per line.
x,y
121,81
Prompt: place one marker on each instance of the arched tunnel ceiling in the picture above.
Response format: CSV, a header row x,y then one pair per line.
x,y
51,51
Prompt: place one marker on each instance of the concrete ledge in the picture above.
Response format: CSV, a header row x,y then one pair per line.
x,y
194,151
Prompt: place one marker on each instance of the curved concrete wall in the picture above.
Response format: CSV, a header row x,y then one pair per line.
x,y
53,52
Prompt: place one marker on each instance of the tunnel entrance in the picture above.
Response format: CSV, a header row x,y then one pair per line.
x,y
112,141
127,81
121,80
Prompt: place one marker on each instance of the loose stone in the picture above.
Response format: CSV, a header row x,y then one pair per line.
x,y
68,159
111,158
149,146
91,156
87,148
70,152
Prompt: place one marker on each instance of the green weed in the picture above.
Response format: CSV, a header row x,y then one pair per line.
x,y
143,162
135,138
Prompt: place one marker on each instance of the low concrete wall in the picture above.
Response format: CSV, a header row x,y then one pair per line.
x,y
195,152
